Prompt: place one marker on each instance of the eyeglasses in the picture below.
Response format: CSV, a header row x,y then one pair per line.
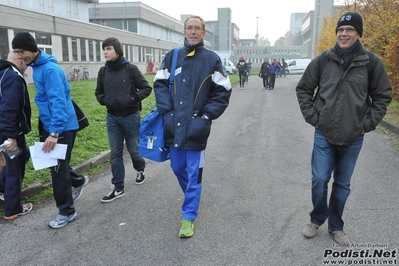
x,y
19,52
348,30
196,28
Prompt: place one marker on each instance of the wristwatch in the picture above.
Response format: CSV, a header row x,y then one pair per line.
x,y
54,134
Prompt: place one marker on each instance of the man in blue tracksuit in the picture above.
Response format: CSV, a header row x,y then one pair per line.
x,y
200,94
15,115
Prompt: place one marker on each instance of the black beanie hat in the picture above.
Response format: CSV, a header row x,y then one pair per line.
x,y
353,19
25,41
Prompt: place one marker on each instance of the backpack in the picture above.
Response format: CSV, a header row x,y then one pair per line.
x,y
129,70
80,115
370,65
151,134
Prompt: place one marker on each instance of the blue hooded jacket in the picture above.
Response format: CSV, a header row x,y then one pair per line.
x,y
53,95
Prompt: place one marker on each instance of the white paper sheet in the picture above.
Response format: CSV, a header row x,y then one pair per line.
x,y
41,163
59,151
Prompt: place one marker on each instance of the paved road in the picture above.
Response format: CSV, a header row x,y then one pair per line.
x,y
256,199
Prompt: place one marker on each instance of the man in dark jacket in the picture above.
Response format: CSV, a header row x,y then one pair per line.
x,y
201,94
264,73
121,87
242,68
15,115
346,106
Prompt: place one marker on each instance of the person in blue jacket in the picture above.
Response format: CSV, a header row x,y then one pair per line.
x,y
273,71
200,95
15,115
57,121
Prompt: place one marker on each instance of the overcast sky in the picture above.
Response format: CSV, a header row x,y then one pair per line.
x,y
273,15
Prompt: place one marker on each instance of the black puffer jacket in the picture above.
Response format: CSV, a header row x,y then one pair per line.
x,y
121,90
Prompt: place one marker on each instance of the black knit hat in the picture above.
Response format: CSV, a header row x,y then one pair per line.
x,y
25,41
352,19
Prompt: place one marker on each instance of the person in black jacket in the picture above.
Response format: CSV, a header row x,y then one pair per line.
x,y
121,87
15,115
344,108
264,73
242,71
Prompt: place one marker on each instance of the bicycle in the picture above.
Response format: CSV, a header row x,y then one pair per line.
x,y
74,75
86,73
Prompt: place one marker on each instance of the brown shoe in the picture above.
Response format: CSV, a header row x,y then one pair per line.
x,y
340,237
26,208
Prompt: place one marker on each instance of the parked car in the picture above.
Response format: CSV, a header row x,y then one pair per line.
x,y
297,66
230,68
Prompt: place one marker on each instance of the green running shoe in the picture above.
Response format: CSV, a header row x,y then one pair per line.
x,y
186,229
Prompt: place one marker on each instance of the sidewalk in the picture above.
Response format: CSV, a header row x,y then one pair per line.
x,y
254,203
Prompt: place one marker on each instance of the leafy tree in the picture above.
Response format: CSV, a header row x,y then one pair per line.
x,y
327,36
286,40
263,41
298,39
380,33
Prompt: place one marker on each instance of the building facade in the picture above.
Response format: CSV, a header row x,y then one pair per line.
x,y
73,32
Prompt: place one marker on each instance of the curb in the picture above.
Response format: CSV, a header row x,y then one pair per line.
x,y
391,127
101,158
35,189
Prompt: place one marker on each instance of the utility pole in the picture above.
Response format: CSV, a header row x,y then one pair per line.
x,y
257,35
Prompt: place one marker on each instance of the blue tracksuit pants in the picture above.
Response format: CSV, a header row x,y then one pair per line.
x,y
187,166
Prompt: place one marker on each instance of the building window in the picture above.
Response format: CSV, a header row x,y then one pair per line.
x,y
65,54
43,38
74,43
4,50
91,50
83,49
98,51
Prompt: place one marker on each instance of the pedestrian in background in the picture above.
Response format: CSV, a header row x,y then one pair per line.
x,y
121,87
15,115
273,71
348,103
188,112
57,122
249,64
283,68
242,71
264,73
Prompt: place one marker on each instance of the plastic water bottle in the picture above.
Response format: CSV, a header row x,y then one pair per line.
x,y
11,154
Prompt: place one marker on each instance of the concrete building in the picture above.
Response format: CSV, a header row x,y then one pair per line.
x,y
73,31
296,22
323,9
307,33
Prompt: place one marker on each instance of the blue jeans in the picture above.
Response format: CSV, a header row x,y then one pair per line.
x,y
328,158
120,129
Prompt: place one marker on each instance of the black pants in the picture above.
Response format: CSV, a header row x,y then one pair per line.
x,y
242,79
61,174
272,81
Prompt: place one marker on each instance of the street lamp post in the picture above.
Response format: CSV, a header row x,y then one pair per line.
x,y
257,35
